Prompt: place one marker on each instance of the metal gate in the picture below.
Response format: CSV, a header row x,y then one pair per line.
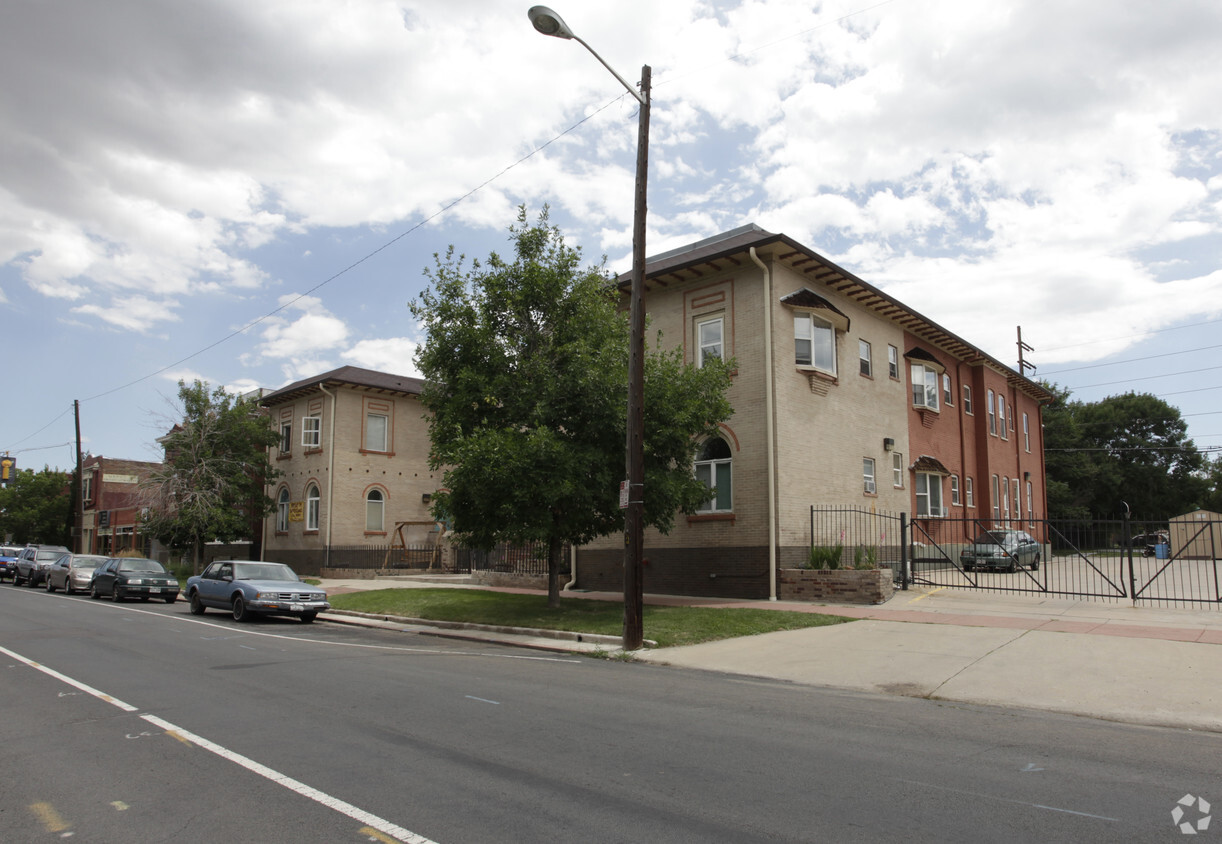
x,y
1174,563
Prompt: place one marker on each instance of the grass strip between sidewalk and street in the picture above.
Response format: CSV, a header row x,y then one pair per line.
x,y
668,626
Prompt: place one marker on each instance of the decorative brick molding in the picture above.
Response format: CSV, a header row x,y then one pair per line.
x,y
850,586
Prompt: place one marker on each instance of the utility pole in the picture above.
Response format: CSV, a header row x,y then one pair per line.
x,y
78,508
1023,365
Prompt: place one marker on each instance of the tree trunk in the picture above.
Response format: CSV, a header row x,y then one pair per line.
x,y
555,547
199,553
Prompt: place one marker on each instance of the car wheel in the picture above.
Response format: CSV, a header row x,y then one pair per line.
x,y
47,583
115,594
169,599
31,582
93,591
968,567
308,617
68,590
197,606
239,608
1035,564
1012,567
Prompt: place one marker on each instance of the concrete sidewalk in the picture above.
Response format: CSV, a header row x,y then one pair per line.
x,y
1153,666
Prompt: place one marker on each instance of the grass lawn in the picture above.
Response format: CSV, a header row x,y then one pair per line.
x,y
666,625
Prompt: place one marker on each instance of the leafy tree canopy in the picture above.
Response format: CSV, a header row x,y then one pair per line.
x,y
1132,448
36,506
527,368
212,481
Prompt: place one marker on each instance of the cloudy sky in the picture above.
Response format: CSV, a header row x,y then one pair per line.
x,y
247,193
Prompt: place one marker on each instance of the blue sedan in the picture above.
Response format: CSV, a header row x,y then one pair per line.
x,y
248,588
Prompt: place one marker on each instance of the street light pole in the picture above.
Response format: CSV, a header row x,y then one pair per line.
x,y
549,23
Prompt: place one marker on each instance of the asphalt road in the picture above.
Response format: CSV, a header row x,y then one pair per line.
x,y
142,723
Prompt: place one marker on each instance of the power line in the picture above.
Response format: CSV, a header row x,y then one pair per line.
x,y
1131,336
1133,360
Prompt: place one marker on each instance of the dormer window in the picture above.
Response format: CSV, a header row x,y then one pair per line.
x,y
814,342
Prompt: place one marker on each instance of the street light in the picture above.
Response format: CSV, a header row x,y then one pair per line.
x,y
549,23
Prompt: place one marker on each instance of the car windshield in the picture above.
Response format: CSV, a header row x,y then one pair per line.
x,y
263,571
141,565
994,538
49,555
86,563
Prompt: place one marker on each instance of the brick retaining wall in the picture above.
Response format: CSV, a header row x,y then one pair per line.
x,y
851,586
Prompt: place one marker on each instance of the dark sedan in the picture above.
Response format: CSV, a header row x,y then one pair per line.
x,y
248,588
133,577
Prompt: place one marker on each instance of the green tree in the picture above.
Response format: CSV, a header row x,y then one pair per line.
x,y
526,364
1131,448
36,506
211,484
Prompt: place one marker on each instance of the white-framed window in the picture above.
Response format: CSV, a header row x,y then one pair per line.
x,y
1001,415
924,386
967,399
1005,497
865,361
376,428
714,470
311,432
897,470
286,437
867,475
969,492
954,490
1026,432
948,396
814,343
996,499
282,511
1029,497
312,506
87,487
893,362
710,340
1018,502
375,511
992,411
928,495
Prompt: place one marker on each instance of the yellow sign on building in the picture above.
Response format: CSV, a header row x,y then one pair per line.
x,y
296,511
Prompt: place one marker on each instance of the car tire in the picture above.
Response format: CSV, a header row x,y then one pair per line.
x,y
48,584
968,567
1035,564
1012,567
308,617
68,590
31,582
169,599
239,609
93,591
197,606
115,594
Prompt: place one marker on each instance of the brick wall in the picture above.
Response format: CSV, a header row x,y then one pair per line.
x,y
848,586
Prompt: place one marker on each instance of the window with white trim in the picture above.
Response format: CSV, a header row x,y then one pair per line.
x,y
1018,502
928,495
311,432
967,399
992,410
714,470
1001,415
282,511
893,362
1005,498
948,396
924,386
996,499
286,437
867,474
710,340
865,362
1026,432
897,470
376,428
969,492
1029,507
954,490
312,507
814,343
375,511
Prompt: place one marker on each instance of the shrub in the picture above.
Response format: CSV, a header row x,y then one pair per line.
x,y
825,557
865,557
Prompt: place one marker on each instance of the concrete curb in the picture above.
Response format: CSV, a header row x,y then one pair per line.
x,y
597,639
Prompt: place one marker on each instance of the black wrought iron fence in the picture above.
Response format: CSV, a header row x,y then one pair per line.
x,y
528,559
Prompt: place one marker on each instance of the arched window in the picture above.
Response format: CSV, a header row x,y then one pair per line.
x,y
375,509
282,511
312,501
713,470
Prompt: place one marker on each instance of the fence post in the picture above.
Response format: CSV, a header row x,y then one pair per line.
x,y
1127,539
905,574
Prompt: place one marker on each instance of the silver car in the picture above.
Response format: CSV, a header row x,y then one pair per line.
x,y
246,589
72,572
1006,550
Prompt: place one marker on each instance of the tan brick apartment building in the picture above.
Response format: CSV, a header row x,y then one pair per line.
x,y
842,395
353,454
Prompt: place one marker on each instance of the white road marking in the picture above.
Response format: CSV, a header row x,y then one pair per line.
x,y
483,700
334,803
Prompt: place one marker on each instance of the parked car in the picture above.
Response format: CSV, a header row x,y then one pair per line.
x,y
133,577
1006,550
8,562
246,588
1147,542
72,572
33,562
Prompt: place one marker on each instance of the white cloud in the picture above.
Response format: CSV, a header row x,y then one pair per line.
x,y
392,354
